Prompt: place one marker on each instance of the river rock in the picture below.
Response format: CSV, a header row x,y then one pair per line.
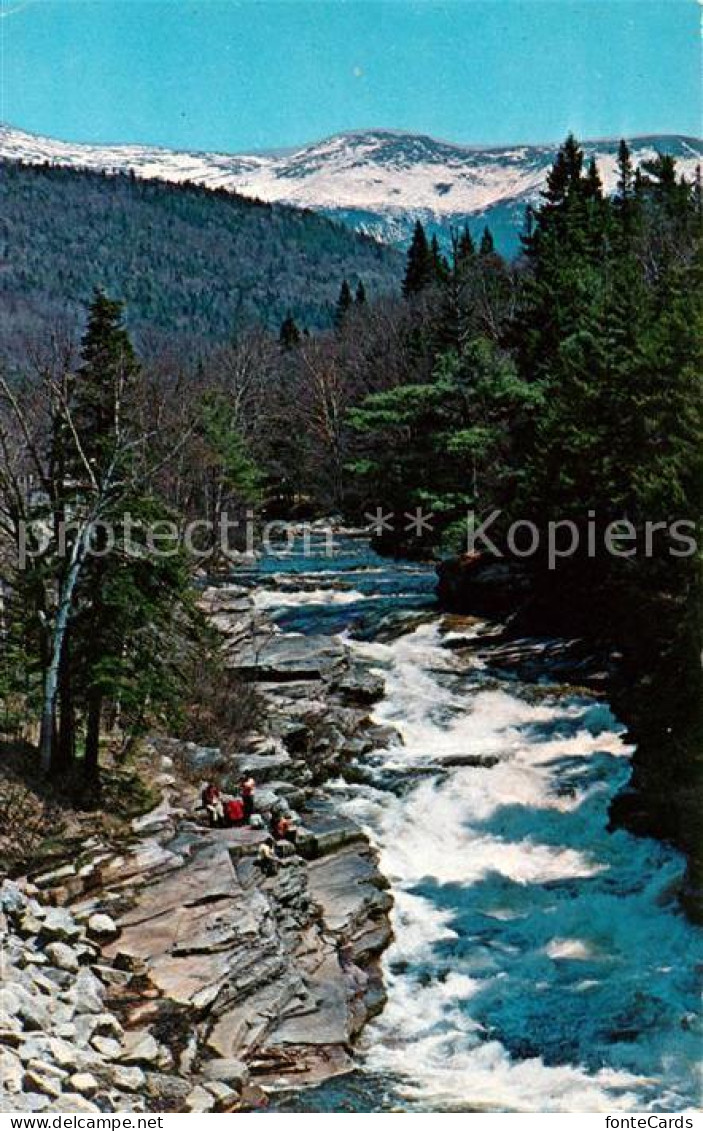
x,y
223,1094
74,1104
200,1100
140,1047
42,1081
59,924
227,1070
359,686
11,1071
289,657
12,899
169,1090
28,1007
127,1079
102,927
62,956
107,1047
87,992
84,1083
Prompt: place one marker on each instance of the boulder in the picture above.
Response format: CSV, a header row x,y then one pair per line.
x,y
107,1047
12,899
359,686
32,1048
169,1090
69,1056
71,1103
29,925
139,1047
228,1070
109,976
127,1079
86,994
224,1095
102,927
11,1071
56,878
84,1083
25,1102
41,1081
62,956
60,925
8,1024
90,1025
289,657
29,1008
199,1100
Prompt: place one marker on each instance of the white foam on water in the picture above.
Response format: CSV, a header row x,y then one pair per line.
x,y
540,962
279,599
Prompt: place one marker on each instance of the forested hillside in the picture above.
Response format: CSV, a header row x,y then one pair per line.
x,y
184,259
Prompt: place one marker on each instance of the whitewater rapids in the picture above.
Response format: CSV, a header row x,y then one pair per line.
x,y
540,962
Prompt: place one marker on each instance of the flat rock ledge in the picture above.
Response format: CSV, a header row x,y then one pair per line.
x,y
168,972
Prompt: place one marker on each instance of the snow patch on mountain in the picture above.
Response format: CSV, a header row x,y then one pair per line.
x,y
377,180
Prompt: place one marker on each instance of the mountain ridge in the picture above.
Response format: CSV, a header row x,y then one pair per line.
x,y
378,181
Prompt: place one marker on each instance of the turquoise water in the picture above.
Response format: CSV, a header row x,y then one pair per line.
x,y
540,962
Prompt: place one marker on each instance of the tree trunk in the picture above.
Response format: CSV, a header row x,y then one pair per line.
x,y
92,735
47,740
66,748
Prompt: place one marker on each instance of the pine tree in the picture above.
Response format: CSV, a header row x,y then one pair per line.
x,y
443,444
625,185
419,272
344,303
593,186
465,249
360,297
487,246
289,334
107,366
440,267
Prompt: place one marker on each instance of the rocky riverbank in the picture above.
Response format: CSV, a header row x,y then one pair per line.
x,y
167,972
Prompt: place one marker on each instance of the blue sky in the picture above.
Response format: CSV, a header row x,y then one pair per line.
x,y
248,74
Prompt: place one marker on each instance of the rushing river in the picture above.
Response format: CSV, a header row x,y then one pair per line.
x,y
540,962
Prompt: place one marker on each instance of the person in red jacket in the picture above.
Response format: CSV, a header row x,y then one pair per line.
x,y
234,812
282,828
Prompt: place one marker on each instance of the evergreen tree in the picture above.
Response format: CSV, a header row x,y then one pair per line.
x,y
360,297
344,303
444,444
626,177
487,246
593,186
126,593
107,366
466,248
420,269
440,267
289,335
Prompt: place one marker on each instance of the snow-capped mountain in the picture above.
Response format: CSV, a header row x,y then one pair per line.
x,y
376,180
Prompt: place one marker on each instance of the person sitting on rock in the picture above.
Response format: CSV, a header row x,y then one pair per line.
x,y
247,787
211,802
266,859
234,812
282,828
